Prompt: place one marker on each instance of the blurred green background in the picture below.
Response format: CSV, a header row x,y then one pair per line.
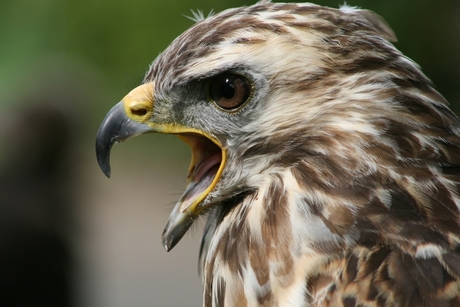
x,y
63,65
114,41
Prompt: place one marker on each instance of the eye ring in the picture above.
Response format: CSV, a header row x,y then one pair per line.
x,y
230,91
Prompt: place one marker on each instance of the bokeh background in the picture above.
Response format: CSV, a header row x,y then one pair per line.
x,y
68,235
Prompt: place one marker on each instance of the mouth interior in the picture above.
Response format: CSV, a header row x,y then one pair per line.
x,y
205,164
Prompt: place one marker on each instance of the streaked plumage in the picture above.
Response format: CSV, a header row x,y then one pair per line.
x,y
336,183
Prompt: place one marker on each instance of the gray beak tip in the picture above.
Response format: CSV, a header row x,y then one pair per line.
x,y
168,244
178,224
103,148
105,167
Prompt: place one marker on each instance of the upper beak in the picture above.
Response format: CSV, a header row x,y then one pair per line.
x,y
116,127
125,120
133,116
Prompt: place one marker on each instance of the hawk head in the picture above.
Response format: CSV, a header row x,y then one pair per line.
x,y
321,154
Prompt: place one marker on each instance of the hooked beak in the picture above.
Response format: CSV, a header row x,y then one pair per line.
x,y
116,127
125,120
132,117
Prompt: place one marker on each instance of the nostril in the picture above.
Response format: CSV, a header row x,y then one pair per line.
x,y
138,104
139,112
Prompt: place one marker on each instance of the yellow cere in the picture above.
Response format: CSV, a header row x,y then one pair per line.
x,y
138,103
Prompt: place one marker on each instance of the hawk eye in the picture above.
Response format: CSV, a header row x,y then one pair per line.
x,y
229,91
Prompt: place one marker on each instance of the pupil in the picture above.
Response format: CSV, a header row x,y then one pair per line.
x,y
228,90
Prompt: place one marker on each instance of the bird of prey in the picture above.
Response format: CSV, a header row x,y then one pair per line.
x,y
326,164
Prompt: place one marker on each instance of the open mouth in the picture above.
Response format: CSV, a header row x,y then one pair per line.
x,y
206,166
125,120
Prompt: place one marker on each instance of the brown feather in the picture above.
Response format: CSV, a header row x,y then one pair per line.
x,y
343,175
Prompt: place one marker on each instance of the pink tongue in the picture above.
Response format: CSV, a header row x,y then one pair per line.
x,y
205,165
203,179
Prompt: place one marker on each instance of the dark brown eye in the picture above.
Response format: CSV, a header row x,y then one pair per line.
x,y
229,91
